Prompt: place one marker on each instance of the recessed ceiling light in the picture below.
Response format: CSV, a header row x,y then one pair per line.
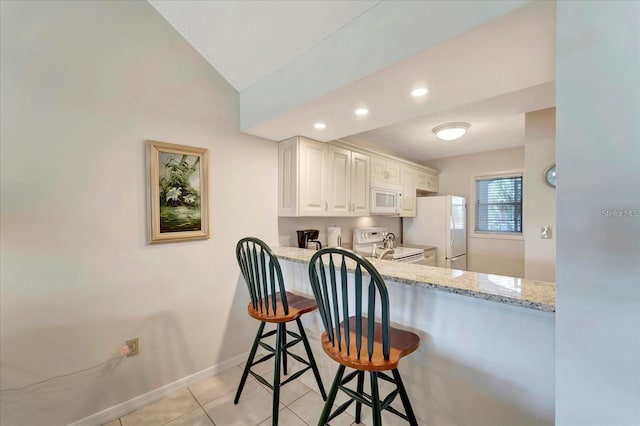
x,y
319,125
420,91
451,131
362,111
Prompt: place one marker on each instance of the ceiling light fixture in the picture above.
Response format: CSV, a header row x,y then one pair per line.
x,y
362,111
451,131
319,126
420,91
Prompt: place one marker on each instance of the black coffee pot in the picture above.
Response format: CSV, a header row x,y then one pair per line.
x,y
306,236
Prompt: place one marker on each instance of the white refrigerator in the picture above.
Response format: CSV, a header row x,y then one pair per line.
x,y
440,221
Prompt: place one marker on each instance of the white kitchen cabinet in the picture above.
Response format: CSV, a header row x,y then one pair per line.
x,y
384,170
360,169
339,177
430,257
348,187
426,182
334,178
302,165
408,183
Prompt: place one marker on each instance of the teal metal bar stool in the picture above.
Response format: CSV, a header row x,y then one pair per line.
x,y
353,338
270,302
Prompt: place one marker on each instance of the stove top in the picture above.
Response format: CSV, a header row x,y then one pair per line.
x,y
404,252
365,238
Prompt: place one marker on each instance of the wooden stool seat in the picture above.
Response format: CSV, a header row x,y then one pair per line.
x,y
401,343
298,305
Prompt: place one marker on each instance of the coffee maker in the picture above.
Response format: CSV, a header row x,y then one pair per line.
x,y
306,236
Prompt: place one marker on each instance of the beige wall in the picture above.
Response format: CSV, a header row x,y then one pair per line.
x,y
598,152
488,255
83,85
540,198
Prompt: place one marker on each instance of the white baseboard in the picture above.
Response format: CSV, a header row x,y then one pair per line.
x,y
112,413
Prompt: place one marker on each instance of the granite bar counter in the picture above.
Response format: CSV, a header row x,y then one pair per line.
x,y
487,351
531,294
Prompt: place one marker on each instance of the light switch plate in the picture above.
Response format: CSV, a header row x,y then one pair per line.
x,y
546,232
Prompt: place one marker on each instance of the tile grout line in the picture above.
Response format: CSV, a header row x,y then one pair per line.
x,y
294,413
201,407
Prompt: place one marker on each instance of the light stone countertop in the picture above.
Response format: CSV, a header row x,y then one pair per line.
x,y
531,294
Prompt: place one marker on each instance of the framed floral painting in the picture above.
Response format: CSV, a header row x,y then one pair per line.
x,y
178,195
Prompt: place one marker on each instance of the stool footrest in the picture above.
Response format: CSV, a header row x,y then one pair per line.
x,y
263,359
386,377
349,377
340,409
268,333
299,359
261,379
389,399
295,376
292,343
364,397
294,334
268,347
398,413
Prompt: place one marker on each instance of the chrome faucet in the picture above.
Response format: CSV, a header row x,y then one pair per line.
x,y
385,252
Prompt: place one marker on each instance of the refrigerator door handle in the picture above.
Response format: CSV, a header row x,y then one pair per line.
x,y
453,233
455,258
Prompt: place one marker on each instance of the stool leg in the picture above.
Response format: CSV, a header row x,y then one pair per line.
x,y
326,411
360,389
312,360
375,395
247,366
284,348
276,374
405,398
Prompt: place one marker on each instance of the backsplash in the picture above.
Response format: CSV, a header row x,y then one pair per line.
x,y
287,227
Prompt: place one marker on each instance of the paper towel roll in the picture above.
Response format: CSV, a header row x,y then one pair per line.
x,y
333,236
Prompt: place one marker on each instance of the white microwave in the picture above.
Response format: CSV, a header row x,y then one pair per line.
x,y
385,199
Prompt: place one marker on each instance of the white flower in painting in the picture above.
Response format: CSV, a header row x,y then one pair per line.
x,y
173,194
189,199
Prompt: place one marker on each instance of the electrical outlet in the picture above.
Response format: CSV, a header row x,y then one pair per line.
x,y
546,233
134,346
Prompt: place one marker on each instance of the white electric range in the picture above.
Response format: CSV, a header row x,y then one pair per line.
x,y
364,239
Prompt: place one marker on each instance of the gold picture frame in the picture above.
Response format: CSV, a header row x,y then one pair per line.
x,y
178,194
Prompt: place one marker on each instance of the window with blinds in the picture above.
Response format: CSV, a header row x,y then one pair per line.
x,y
499,204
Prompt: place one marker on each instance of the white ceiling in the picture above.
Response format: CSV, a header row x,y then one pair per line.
x,y
488,76
247,40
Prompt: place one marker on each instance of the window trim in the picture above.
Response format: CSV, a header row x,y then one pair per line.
x,y
472,206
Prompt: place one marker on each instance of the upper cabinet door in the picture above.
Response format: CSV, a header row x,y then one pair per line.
x,y
426,182
378,169
313,166
360,165
393,173
348,188
339,178
385,171
408,192
433,183
421,180
288,178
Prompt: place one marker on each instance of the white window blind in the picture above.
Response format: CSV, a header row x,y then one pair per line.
x,y
499,204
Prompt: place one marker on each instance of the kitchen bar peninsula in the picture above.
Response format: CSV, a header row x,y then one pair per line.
x,y
487,341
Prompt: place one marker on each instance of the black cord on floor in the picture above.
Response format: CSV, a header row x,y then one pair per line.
x,y
62,375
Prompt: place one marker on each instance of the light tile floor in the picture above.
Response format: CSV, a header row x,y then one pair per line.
x,y
210,402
